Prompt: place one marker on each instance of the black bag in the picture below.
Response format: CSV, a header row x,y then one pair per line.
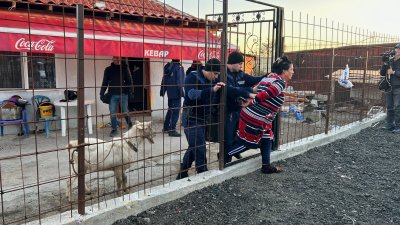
x,y
106,98
384,84
69,95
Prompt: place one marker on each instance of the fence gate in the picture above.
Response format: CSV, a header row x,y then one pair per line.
x,y
257,34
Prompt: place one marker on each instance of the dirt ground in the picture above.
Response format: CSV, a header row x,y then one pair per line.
x,y
351,181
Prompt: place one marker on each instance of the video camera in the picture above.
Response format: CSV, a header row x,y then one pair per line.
x,y
388,56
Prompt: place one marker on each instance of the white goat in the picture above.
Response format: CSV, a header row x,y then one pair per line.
x,y
114,155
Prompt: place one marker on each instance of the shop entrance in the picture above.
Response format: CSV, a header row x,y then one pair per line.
x,y
139,68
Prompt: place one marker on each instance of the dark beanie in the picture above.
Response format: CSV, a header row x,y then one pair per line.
x,y
235,57
212,65
397,46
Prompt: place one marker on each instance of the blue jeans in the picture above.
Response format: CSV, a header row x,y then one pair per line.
x,y
195,135
113,106
174,105
265,148
393,108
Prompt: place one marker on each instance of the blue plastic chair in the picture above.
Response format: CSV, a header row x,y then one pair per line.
x,y
22,121
37,100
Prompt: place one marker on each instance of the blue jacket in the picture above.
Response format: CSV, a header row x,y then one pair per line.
x,y
199,94
239,86
172,81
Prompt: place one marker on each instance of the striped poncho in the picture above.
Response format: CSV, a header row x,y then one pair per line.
x,y
256,119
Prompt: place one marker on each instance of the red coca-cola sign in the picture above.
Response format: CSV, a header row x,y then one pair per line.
x,y
212,54
42,45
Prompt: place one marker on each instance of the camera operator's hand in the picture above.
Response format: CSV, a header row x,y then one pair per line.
x,y
390,71
384,69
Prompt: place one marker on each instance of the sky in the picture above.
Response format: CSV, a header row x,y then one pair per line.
x,y
382,16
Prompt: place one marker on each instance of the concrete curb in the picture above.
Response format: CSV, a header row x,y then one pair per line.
x,y
132,204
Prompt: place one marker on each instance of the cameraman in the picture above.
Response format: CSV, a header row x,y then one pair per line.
x,y
392,69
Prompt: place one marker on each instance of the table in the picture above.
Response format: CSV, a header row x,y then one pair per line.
x,y
74,103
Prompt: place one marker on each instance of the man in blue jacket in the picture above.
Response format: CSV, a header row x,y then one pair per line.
x,y
239,84
172,84
201,90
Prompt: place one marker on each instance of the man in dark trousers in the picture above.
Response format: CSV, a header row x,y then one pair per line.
x,y
237,82
201,90
119,84
172,84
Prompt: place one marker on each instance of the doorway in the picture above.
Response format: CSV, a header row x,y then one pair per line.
x,y
139,69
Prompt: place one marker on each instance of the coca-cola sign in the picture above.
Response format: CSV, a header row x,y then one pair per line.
x,y
212,54
43,45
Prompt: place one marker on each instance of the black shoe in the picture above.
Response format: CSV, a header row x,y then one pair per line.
x,y
114,133
268,169
174,133
238,156
165,131
182,174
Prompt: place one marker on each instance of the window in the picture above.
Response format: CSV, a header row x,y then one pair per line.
x,y
41,70
10,70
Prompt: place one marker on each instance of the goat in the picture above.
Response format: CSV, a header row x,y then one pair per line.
x,y
114,155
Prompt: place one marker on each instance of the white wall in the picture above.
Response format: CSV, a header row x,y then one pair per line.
x,y
66,77
159,103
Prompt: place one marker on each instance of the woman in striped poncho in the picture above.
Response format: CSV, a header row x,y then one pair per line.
x,y
256,118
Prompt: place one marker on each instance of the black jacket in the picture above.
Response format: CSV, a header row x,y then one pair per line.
x,y
117,79
240,85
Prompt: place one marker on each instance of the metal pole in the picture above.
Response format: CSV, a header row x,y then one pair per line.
x,y
363,87
81,108
276,128
331,95
224,43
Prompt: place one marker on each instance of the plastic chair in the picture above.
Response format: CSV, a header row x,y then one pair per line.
x,y
22,121
37,100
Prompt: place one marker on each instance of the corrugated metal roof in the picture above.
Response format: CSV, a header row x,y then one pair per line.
x,y
151,8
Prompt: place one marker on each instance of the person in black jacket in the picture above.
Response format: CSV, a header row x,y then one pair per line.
x,y
119,84
392,97
196,65
239,84
201,91
172,84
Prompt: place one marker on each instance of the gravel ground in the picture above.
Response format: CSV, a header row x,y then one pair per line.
x,y
351,181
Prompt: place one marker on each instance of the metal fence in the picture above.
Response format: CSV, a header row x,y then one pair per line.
x,y
321,50
40,57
